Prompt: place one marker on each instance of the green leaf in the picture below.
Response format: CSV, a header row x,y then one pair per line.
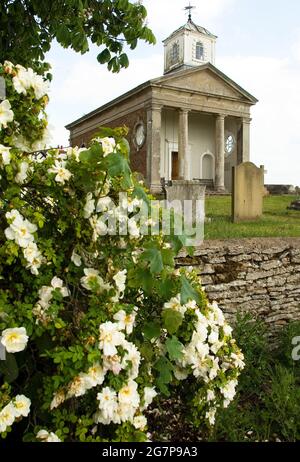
x,y
9,368
168,257
147,351
151,330
187,292
118,166
172,320
154,256
141,279
104,56
123,60
165,370
174,348
86,156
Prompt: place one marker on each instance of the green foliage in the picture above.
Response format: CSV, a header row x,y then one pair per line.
x,y
28,28
172,320
94,316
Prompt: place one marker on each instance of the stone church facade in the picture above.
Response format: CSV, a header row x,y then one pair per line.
x,y
193,123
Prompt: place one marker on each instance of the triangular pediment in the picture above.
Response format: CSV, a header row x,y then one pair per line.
x,y
206,79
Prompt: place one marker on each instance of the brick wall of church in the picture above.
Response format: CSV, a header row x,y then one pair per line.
x,y
138,158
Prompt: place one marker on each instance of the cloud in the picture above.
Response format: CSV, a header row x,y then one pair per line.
x,y
275,135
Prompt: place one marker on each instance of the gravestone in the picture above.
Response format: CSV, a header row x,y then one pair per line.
x,y
187,199
294,206
247,192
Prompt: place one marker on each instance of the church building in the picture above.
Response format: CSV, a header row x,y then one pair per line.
x,y
193,123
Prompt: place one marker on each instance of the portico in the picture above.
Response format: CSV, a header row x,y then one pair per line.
x,y
187,144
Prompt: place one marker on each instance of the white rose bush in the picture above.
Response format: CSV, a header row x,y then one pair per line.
x,y
96,324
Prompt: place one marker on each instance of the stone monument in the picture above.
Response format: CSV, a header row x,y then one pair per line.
x,y
247,192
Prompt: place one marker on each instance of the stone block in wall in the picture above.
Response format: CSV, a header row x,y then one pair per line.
x,y
253,276
294,279
206,280
271,265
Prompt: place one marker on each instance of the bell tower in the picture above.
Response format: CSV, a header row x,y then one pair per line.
x,y
189,46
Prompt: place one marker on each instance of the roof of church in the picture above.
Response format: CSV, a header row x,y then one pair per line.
x,y
160,81
192,27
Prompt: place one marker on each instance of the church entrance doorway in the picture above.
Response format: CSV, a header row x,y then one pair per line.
x,y
175,166
207,167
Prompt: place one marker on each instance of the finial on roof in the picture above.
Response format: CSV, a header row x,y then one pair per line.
x,y
189,9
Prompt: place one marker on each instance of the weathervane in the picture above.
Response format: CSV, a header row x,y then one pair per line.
x,y
189,9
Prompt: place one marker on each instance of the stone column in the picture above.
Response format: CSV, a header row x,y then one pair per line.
x,y
246,140
154,148
220,153
183,143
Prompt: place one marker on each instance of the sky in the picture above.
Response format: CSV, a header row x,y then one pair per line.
x,y
258,47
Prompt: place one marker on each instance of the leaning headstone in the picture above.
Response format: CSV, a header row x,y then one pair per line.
x,y
247,192
187,198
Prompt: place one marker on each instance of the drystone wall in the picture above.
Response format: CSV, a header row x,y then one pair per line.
x,y
260,276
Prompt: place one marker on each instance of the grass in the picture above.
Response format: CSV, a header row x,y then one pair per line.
x,y
277,221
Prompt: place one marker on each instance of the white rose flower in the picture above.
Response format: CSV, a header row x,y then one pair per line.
x,y
229,390
211,416
120,280
47,437
108,145
31,252
175,304
14,339
21,81
104,204
133,229
20,230
110,338
58,398
108,404
149,395
227,330
113,363
22,174
4,155
134,357
22,406
140,422
76,259
93,276
213,336
39,85
62,174
45,294
89,206
95,376
6,114
7,417
211,395
77,387
129,394
57,283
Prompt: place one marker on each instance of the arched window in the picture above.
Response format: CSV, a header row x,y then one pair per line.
x,y
199,51
175,53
